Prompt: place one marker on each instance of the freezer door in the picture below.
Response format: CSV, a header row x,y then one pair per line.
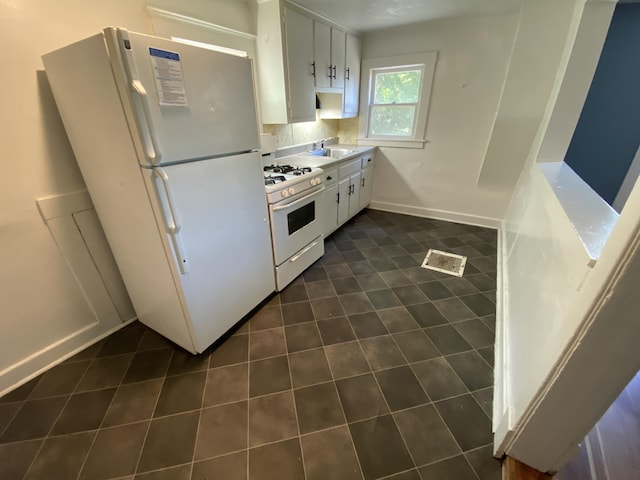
x,y
217,210
187,102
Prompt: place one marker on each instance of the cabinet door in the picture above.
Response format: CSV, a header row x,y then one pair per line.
x,y
354,198
344,187
352,77
322,54
330,209
337,58
302,99
366,187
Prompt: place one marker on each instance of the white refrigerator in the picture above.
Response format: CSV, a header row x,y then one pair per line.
x,y
166,138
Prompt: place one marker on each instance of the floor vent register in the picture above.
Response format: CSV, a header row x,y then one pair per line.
x,y
445,262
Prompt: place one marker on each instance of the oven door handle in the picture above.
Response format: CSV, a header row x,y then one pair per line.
x,y
309,247
300,200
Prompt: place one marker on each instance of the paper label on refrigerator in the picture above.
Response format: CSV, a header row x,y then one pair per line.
x,y
169,80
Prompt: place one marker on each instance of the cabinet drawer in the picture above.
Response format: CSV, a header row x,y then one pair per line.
x,y
330,177
367,160
350,167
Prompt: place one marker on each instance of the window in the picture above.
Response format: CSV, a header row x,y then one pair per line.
x,y
395,95
394,106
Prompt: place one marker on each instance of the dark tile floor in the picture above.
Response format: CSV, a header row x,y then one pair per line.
x,y
611,449
366,367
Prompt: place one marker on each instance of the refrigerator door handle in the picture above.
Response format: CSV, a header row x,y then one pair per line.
x,y
143,119
161,180
140,99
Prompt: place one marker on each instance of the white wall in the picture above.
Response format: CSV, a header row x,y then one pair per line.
x,y
536,55
441,179
232,14
41,302
44,312
546,268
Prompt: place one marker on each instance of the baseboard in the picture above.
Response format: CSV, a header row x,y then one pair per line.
x,y
41,361
464,218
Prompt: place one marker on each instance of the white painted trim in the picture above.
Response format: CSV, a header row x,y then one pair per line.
x,y
55,206
317,16
52,355
502,411
464,218
381,142
176,17
628,183
592,218
417,140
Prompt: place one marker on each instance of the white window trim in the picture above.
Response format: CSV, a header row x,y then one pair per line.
x,y
428,59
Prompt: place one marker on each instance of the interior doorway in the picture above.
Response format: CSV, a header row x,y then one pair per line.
x,y
611,450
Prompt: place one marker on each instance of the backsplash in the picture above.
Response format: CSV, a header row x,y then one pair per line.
x,y
307,132
348,131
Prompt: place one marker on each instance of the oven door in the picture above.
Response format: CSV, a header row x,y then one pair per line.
x,y
295,223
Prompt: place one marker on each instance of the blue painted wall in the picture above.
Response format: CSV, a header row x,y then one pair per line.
x,y
608,132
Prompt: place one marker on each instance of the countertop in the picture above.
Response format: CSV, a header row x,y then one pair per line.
x,y
305,160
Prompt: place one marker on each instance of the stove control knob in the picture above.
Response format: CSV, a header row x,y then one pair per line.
x,y
291,191
285,193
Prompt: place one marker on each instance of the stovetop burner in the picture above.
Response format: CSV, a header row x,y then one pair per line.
x,y
290,169
284,181
273,179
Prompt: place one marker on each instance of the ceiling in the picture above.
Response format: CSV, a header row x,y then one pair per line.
x,y
366,15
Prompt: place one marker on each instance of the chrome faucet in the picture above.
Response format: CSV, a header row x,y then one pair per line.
x,y
314,146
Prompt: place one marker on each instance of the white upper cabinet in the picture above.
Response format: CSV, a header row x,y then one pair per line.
x,y
329,52
297,56
322,54
284,63
351,77
302,97
337,58
343,102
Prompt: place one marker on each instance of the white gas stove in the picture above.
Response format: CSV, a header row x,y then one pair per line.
x,y
294,195
284,181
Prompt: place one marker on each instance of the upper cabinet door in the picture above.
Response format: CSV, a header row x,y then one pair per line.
x,y
352,76
299,34
337,58
322,54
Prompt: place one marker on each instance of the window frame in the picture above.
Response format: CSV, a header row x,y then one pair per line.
x,y
373,66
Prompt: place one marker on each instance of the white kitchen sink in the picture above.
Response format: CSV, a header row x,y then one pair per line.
x,y
331,152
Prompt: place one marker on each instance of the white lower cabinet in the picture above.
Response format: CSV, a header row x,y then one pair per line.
x,y
330,202
354,194
366,182
348,188
344,187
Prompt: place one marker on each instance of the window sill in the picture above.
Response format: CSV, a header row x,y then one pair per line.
x,y
592,217
381,142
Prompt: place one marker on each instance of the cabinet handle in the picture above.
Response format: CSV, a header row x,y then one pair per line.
x,y
363,183
334,72
313,69
347,74
338,197
330,68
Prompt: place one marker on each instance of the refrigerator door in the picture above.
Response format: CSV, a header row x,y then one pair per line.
x,y
217,224
187,102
